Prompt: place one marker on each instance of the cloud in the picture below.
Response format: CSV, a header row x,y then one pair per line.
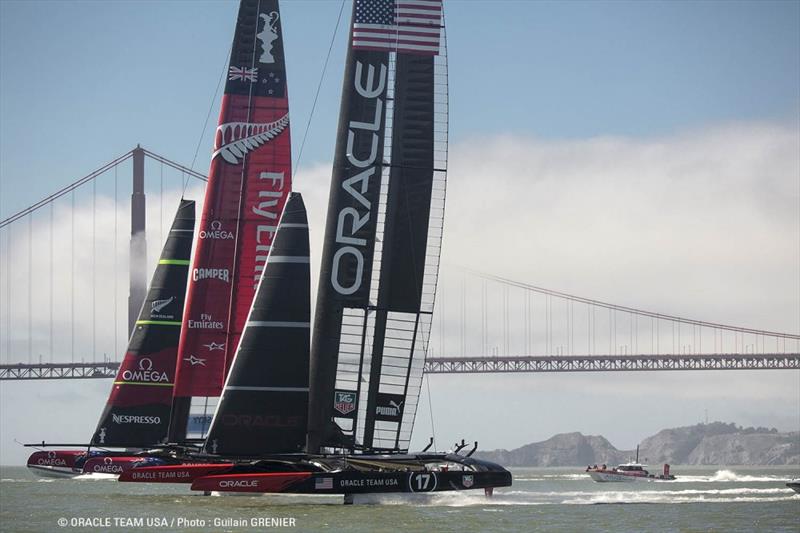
x,y
80,297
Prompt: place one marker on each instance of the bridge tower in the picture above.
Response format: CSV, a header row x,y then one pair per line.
x,y
138,255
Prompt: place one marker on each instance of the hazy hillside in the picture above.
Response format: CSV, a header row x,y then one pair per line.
x,y
703,444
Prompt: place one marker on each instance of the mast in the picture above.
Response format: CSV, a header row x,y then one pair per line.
x,y
138,409
381,248
249,180
264,405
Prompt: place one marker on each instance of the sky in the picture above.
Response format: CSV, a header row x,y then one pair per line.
x,y
642,153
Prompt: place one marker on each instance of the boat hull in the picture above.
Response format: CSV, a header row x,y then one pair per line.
x,y
613,477
794,485
352,482
115,464
56,463
610,476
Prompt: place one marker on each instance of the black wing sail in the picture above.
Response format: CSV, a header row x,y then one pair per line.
x,y
138,409
264,404
382,241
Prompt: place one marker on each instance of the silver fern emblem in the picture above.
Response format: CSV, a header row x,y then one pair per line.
x,y
235,139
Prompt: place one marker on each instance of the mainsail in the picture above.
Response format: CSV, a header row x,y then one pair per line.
x,y
138,409
249,180
381,249
264,405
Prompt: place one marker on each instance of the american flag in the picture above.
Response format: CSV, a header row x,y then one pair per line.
x,y
243,74
323,483
412,26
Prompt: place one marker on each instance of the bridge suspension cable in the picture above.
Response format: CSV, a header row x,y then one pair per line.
x,y
91,176
630,310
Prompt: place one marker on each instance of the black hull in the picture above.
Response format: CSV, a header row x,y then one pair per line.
x,y
342,474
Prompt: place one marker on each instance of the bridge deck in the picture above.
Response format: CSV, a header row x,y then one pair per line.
x,y
483,365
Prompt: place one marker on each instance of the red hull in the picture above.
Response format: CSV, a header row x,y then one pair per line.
x,y
110,465
60,458
173,473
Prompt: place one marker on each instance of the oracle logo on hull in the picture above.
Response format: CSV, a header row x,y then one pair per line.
x,y
236,483
266,421
351,220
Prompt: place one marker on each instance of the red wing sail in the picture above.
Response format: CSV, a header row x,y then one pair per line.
x,y
249,181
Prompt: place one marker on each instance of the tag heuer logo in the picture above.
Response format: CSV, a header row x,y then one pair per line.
x,y
345,402
467,480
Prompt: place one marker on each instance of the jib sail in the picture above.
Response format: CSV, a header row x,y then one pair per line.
x,y
264,405
381,247
138,410
249,180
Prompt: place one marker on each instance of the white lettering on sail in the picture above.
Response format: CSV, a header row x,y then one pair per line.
x,y
337,259
222,274
362,177
368,91
267,208
350,220
356,224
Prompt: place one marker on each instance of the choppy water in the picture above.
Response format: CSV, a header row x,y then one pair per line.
x,y
541,499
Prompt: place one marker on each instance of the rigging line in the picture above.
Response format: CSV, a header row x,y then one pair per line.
x,y
231,326
319,87
72,283
94,265
30,288
161,209
52,282
208,115
430,409
116,212
8,295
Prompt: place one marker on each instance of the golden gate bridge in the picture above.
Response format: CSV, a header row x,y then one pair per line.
x,y
67,280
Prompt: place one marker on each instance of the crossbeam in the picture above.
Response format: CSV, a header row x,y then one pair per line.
x,y
483,365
